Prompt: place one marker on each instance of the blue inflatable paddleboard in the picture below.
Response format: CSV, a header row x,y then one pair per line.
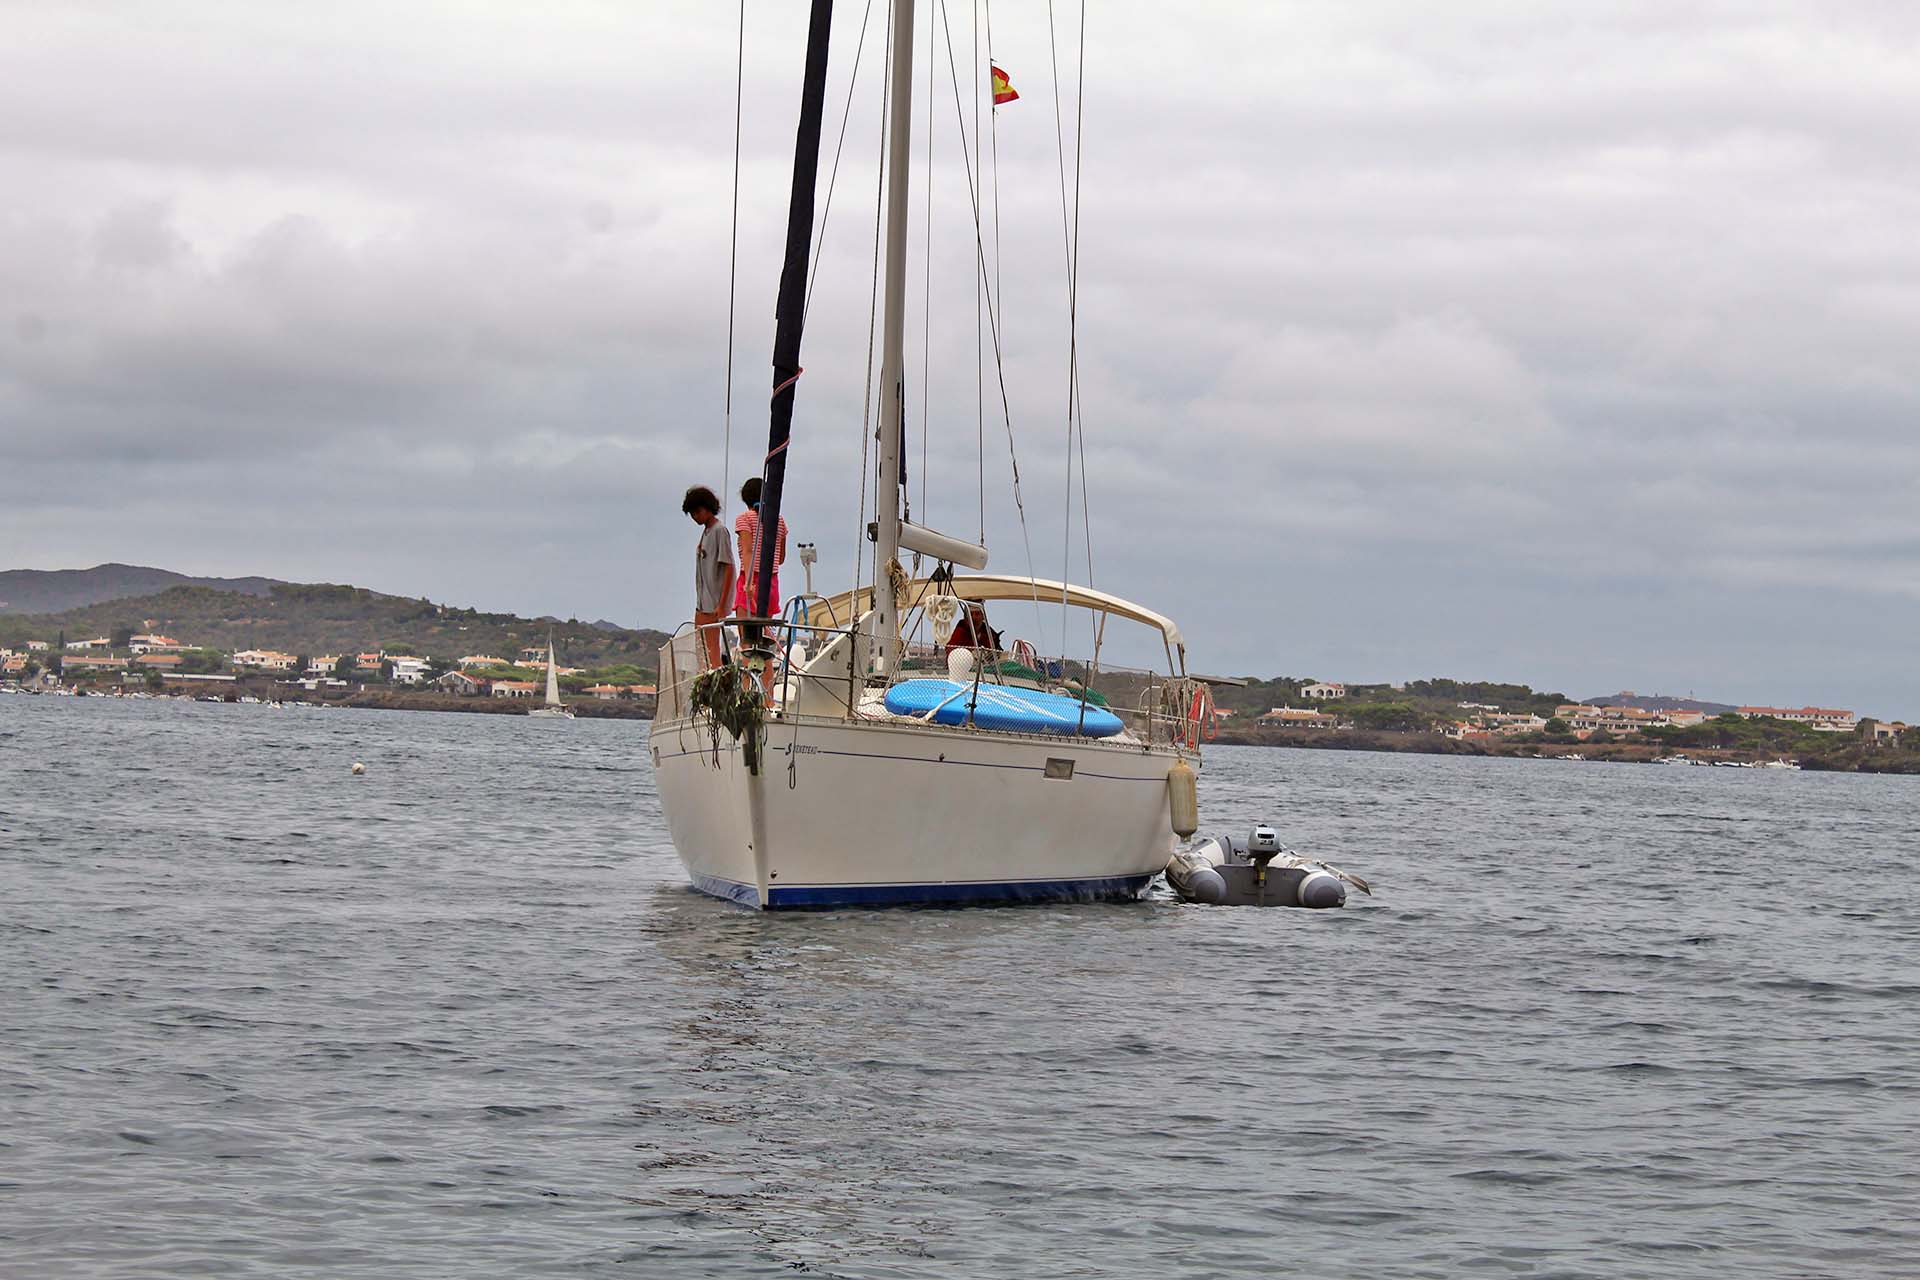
x,y
999,707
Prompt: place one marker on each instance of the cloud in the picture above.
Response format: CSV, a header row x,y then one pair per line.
x,y
1535,342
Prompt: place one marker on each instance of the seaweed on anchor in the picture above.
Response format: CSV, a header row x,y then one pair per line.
x,y
731,699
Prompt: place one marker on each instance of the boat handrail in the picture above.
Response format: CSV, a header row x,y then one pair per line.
x,y
1144,700
984,587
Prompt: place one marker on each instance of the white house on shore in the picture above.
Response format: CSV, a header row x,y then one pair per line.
x,y
265,660
1831,719
1300,718
409,670
1323,692
461,683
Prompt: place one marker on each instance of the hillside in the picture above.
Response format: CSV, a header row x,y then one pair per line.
x,y
1417,701
58,590
312,619
1661,702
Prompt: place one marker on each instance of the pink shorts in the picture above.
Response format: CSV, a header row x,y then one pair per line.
x,y
743,596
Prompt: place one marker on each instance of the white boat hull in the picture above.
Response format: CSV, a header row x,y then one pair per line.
x,y
848,813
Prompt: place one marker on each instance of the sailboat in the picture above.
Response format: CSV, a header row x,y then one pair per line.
x,y
553,708
879,768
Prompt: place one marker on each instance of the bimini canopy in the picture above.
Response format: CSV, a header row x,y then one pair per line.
x,y
841,609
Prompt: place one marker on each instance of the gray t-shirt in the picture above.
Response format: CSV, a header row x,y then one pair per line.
x,y
716,549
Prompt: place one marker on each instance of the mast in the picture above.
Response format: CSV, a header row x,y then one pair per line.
x,y
892,362
790,309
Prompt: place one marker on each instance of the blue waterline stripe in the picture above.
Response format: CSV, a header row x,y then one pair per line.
x,y
949,892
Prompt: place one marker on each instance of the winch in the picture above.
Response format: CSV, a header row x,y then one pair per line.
x,y
1257,872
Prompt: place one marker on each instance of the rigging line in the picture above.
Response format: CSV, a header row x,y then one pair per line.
x,y
1077,428
926,290
1073,318
733,252
993,134
993,314
873,312
979,338
826,212
1066,240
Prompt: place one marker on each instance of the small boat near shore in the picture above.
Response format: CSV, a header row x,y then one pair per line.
x,y
553,709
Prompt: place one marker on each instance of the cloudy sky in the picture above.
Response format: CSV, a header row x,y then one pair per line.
x,y
1572,344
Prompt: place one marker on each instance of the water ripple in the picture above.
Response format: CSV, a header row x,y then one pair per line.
x,y
461,1016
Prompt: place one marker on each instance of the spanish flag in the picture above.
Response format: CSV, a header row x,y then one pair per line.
x,y
1003,91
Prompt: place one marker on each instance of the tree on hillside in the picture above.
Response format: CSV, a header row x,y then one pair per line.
x,y
1557,725
1508,697
202,661
343,667
1402,717
121,636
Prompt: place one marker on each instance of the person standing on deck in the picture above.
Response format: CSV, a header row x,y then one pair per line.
x,y
713,570
746,529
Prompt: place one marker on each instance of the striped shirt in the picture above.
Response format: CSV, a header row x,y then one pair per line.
x,y
746,528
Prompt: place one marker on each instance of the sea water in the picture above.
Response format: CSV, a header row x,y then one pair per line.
x,y
461,1016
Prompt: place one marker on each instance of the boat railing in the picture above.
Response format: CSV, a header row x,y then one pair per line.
x,y
684,656
680,662
1154,706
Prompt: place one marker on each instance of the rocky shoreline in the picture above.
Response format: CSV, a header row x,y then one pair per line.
x,y
1846,756
396,700
387,700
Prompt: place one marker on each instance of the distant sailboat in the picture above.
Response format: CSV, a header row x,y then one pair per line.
x,y
553,708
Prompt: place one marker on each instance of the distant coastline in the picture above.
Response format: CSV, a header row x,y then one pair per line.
x,y
1846,755
407,700
261,639
370,699
1843,755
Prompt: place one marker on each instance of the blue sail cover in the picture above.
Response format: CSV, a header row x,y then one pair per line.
x,y
999,707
